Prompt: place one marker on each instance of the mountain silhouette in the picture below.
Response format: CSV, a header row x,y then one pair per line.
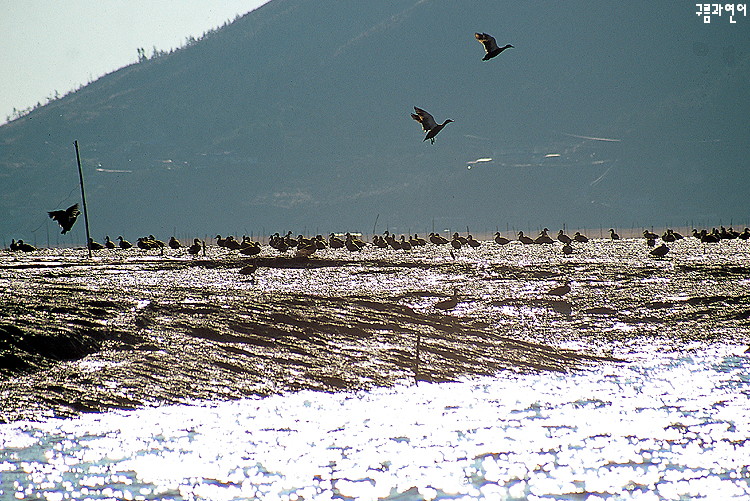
x,y
296,116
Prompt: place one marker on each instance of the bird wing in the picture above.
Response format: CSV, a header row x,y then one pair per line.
x,y
56,214
487,40
427,121
73,211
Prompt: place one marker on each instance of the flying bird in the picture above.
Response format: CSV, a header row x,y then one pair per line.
x,y
65,218
490,45
429,125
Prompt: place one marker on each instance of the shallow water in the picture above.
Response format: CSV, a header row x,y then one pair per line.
x,y
675,428
635,384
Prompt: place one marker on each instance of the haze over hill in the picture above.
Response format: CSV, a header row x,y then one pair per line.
x,y
296,116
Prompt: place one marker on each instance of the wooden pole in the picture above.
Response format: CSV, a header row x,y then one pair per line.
x,y
83,196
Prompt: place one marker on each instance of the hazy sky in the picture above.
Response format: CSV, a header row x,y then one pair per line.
x,y
50,46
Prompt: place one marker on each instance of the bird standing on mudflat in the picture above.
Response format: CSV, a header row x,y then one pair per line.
x,y
560,290
579,237
65,218
490,45
124,244
660,251
501,240
448,304
429,125
249,270
23,246
94,245
196,247
562,237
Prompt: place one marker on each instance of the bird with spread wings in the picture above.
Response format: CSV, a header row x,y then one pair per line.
x,y
490,45
65,218
429,125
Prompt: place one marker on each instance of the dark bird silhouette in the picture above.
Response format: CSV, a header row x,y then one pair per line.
x,y
429,125
543,238
109,244
65,218
320,242
660,251
560,290
490,45
124,244
613,235
23,246
231,243
249,270
524,239
405,244
352,244
709,238
306,247
578,237
95,245
437,239
196,247
143,243
448,304
249,248
391,241
501,240
562,237
174,243
456,242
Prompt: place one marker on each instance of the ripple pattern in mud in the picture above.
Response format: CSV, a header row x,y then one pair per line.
x,y
128,329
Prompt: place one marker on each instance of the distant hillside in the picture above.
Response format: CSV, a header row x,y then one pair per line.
x,y
296,116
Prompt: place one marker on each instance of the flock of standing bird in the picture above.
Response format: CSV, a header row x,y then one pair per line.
x,y
305,247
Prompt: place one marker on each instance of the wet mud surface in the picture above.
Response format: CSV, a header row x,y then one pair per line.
x,y
129,328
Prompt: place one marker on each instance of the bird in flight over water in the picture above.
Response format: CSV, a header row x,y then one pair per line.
x,y
65,218
430,126
490,45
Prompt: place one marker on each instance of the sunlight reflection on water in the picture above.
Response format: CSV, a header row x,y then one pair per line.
x,y
666,428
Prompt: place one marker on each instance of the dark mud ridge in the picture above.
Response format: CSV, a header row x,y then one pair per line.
x,y
70,343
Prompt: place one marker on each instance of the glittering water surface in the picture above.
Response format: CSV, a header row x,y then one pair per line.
x,y
673,428
670,420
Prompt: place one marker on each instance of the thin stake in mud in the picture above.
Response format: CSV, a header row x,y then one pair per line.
x,y
83,196
416,362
